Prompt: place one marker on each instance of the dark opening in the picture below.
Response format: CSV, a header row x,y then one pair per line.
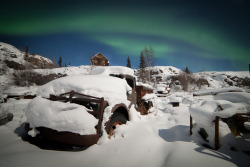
x,y
130,82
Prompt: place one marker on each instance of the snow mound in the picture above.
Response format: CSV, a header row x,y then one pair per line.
x,y
60,116
94,85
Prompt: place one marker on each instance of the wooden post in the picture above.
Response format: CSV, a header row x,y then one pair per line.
x,y
71,95
100,116
191,125
216,137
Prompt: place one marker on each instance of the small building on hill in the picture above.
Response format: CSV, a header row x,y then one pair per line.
x,y
99,60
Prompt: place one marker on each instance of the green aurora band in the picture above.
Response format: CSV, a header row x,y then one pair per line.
x,y
117,29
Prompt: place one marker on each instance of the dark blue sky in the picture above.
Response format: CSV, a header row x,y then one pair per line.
x,y
204,35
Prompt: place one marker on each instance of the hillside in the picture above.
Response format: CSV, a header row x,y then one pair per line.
x,y
13,60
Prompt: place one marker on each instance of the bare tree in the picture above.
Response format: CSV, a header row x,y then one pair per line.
x,y
149,56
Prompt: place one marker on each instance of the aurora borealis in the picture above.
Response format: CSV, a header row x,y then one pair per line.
x,y
201,34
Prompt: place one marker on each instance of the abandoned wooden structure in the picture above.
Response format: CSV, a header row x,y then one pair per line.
x,y
99,60
236,127
142,91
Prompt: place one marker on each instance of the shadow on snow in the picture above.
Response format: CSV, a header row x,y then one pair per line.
x,y
181,133
176,133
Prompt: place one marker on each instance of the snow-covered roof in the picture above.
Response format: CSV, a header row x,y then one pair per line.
x,y
99,55
108,70
160,89
94,85
231,103
149,96
147,86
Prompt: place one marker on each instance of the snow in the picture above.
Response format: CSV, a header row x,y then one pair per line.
x,y
173,99
224,105
99,70
234,97
9,48
67,117
16,91
101,86
158,139
60,116
149,96
216,91
147,86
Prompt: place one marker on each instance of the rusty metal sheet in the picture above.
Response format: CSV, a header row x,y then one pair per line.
x,y
66,137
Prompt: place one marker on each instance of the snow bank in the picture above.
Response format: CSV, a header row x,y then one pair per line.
x,y
60,116
98,86
233,97
15,91
217,91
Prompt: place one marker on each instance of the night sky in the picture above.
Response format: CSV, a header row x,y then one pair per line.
x,y
203,35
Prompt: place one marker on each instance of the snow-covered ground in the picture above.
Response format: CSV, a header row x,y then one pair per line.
x,y
160,138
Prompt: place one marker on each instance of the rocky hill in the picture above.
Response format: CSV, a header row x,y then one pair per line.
x,y
13,58
12,61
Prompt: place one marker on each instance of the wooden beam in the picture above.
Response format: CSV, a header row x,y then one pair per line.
x,y
191,125
216,136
